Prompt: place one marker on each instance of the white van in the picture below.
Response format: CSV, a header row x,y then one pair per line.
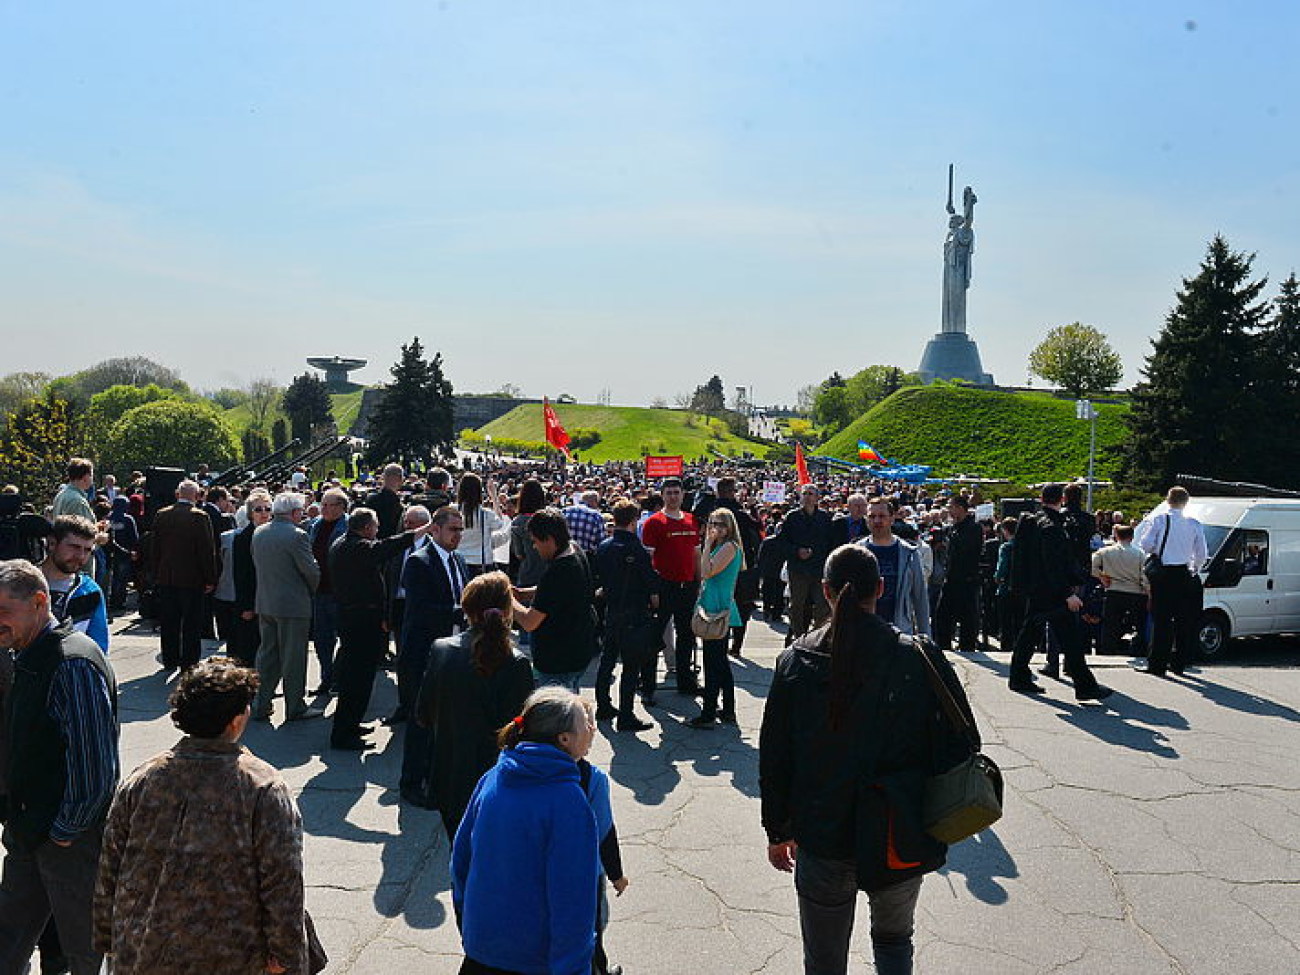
x,y
1252,581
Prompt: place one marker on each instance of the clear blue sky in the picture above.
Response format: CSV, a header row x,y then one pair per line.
x,y
569,196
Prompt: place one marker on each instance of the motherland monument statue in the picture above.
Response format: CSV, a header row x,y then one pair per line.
x,y
952,354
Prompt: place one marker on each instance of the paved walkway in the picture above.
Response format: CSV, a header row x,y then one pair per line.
x,y
1156,834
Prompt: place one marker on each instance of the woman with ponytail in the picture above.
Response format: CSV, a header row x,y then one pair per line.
x,y
525,868
475,682
851,731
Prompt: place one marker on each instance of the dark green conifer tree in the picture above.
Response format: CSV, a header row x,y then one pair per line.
x,y
413,420
1199,408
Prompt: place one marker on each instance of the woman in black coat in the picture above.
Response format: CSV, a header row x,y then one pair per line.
x,y
851,731
475,684
245,634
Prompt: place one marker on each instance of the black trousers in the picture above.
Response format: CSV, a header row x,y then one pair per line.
x,y
627,641
362,643
1067,629
1176,601
1011,616
245,637
51,881
959,606
677,601
1121,612
718,680
180,618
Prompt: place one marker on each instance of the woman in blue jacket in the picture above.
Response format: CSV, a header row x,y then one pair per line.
x,y
527,849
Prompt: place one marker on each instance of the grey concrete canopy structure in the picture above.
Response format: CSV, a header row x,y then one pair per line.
x,y
336,369
952,354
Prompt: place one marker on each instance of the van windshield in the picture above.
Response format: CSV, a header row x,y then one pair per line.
x,y
1214,537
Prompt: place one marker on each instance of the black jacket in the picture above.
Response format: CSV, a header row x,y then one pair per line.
x,y
464,709
802,530
355,564
965,539
1051,567
37,774
245,572
626,574
855,794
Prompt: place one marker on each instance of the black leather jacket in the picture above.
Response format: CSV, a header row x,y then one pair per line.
x,y
846,794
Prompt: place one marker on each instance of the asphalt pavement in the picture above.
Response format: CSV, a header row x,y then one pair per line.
x,y
1156,832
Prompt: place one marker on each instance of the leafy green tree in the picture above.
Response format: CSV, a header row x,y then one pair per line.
x,y
832,410
19,387
227,398
263,398
107,407
306,403
35,446
1078,359
125,371
279,433
413,419
1199,407
170,433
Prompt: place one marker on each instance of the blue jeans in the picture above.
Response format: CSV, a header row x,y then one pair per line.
x,y
325,633
828,893
569,680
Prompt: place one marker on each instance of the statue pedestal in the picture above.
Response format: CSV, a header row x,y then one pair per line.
x,y
953,355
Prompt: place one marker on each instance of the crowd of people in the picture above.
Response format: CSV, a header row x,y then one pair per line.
x,y
490,590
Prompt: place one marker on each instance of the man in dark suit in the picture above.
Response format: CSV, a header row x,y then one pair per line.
x,y
356,561
184,560
432,579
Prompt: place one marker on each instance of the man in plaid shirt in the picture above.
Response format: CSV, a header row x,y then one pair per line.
x,y
586,524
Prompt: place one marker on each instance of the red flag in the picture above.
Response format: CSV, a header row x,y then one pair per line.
x,y
555,435
800,464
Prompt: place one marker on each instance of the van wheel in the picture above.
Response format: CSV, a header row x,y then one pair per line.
x,y
1214,632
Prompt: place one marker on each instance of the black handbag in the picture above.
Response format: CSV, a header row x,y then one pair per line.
x,y
1154,565
966,798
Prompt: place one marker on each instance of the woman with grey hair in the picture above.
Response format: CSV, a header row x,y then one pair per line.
x,y
526,849
237,590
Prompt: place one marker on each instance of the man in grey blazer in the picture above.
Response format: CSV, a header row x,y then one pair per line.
x,y
287,575
905,601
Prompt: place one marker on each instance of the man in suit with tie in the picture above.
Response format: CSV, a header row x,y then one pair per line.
x,y
356,562
286,578
432,579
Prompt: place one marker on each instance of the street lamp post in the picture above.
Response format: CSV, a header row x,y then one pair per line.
x,y
1084,410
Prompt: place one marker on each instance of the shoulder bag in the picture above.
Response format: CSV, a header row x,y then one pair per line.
x,y
967,797
1154,564
711,626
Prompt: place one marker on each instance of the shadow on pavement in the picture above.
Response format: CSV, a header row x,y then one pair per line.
x,y
983,860
1119,720
1244,701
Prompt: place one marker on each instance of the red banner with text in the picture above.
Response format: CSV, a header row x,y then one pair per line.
x,y
664,466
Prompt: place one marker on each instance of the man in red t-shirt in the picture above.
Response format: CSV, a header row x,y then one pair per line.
x,y
673,540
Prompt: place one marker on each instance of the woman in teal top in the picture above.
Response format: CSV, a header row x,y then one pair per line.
x,y
721,559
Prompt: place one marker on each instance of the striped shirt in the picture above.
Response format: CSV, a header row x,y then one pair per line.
x,y
80,703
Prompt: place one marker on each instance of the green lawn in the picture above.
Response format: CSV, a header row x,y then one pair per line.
x,y
626,432
1027,437
345,407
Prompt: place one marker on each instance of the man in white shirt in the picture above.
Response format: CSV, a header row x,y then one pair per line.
x,y
1179,543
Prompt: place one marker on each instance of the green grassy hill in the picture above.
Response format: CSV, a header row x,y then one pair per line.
x,y
626,432
345,407
1027,437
